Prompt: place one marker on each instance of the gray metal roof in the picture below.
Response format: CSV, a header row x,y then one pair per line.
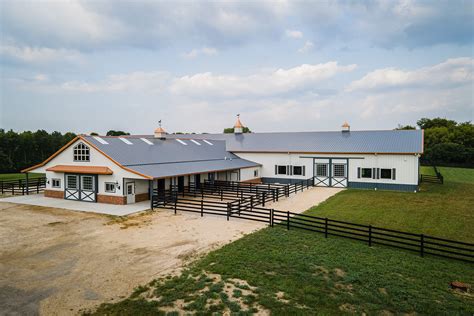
x,y
390,141
163,158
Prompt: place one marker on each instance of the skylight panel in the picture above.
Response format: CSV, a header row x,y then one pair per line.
x,y
208,142
197,143
126,141
179,140
146,141
100,140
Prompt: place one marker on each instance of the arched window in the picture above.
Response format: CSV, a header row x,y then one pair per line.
x,y
81,152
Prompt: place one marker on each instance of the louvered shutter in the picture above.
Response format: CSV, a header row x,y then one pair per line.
x,y
304,171
276,169
393,174
358,172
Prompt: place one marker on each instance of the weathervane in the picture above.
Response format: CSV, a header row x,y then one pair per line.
x,y
159,123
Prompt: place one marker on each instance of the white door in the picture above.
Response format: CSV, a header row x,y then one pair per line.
x,y
130,190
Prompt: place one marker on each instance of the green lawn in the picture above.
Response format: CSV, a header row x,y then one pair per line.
x,y
297,272
16,176
442,210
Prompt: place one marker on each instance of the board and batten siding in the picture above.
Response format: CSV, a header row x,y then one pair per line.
x,y
406,165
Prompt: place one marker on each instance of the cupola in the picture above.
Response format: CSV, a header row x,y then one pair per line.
x,y
346,127
238,127
160,132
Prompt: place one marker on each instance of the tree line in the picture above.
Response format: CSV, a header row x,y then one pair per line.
x,y
447,142
22,150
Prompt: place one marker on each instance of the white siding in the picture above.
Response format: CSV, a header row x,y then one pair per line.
x,y
96,159
406,165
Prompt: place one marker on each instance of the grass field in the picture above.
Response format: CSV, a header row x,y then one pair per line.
x,y
439,210
297,273
16,176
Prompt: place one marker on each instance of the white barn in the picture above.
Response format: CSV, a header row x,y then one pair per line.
x,y
126,169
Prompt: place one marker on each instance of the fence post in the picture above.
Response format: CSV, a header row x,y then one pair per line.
x,y
288,220
239,207
326,227
277,194
222,193
1,184
370,235
37,187
251,202
202,208
272,212
175,205
422,245
263,198
228,210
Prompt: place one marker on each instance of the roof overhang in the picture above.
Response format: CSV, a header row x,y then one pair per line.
x,y
81,169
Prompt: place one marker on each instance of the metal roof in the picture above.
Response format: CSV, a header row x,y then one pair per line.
x,y
170,157
390,141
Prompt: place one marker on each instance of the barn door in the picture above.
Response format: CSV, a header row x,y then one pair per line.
x,y
339,175
87,190
71,191
321,173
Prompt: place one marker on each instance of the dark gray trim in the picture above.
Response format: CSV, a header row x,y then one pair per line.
x,y
383,186
280,180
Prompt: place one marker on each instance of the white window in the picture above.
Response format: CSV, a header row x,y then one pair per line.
x,y
81,152
321,170
87,183
385,173
280,170
339,170
110,187
71,182
298,170
56,183
366,173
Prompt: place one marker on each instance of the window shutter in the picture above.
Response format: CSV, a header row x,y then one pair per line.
x,y
304,171
374,173
291,170
288,169
393,174
358,172
378,173
276,169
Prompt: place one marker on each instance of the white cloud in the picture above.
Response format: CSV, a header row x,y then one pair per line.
x,y
208,51
38,54
294,34
150,82
451,72
308,45
259,84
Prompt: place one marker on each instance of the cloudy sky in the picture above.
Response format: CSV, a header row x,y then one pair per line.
x,y
87,66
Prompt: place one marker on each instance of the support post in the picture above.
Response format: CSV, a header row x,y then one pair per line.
x,y
202,208
288,220
326,227
263,199
175,205
251,202
370,235
422,245
228,210
272,212
27,184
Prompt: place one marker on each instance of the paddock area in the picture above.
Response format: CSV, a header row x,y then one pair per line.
x,y
57,262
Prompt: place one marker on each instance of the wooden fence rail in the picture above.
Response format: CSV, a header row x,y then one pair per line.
x,y
22,187
371,235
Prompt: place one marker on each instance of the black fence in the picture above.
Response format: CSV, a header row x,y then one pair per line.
x,y
248,209
437,178
22,187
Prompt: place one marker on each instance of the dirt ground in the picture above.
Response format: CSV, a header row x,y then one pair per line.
x,y
59,262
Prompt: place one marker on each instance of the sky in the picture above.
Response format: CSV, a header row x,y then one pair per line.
x,y
93,66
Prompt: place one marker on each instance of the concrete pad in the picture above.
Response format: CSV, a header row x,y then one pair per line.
x,y
101,208
302,201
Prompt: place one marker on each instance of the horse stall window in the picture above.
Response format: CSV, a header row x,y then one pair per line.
x,y
386,174
339,170
298,170
321,170
367,173
281,170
